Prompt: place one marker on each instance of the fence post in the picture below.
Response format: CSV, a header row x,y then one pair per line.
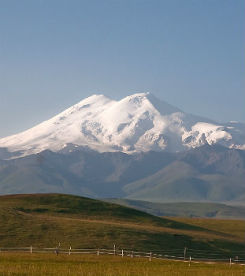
x,y
150,256
190,261
56,251
98,252
230,261
185,252
69,251
114,249
132,254
122,253
31,249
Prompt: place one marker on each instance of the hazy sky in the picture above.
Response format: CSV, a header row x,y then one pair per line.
x,y
54,53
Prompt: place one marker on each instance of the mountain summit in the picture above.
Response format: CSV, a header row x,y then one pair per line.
x,y
139,122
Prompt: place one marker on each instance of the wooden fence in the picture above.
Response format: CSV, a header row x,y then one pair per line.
x,y
187,255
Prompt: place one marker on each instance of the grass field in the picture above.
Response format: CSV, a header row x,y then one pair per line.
x,y
44,220
226,226
13,264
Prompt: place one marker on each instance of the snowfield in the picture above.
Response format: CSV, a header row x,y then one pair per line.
x,y
139,122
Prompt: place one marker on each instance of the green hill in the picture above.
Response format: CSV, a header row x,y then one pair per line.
x,y
48,219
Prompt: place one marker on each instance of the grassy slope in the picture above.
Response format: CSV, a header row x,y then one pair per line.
x,y
236,227
44,220
185,209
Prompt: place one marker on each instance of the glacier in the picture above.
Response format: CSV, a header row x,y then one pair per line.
x,y
136,123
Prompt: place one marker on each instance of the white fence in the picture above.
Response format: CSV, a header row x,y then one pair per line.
x,y
188,255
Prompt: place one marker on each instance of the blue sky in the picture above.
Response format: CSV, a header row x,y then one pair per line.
x,y
54,53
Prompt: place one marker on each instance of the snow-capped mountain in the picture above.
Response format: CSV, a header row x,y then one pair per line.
x,y
139,122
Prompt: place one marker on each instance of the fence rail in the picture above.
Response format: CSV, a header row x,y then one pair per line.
x,y
187,255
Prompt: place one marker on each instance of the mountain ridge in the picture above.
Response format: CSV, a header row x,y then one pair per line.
x,y
139,122
152,176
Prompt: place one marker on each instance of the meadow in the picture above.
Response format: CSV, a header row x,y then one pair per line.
x,y
49,220
12,264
